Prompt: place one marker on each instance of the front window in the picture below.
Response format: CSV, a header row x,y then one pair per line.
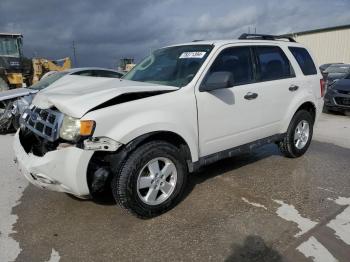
x,y
9,47
173,66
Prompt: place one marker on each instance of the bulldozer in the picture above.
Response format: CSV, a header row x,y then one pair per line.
x,y
18,71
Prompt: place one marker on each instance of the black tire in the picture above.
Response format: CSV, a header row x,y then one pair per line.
x,y
124,182
325,110
287,146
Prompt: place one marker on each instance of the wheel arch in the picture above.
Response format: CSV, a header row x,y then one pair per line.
x,y
307,105
103,159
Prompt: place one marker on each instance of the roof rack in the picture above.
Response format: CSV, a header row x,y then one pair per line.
x,y
265,37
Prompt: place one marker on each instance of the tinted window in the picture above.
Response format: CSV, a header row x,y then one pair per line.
x,y
304,60
237,61
272,63
106,73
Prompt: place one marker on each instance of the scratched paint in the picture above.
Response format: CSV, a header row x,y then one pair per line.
x,y
341,223
289,213
316,251
253,203
12,187
55,256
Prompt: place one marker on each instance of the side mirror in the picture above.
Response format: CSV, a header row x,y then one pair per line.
x,y
217,80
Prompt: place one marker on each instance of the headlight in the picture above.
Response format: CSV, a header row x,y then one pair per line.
x,y
73,128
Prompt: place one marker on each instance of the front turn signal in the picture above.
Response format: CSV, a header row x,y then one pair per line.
x,y
87,127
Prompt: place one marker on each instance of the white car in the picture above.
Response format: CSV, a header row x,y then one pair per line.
x,y
183,107
13,102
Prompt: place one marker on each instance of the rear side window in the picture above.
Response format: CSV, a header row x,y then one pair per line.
x,y
272,63
304,60
236,60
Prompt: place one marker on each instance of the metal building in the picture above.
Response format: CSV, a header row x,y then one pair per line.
x,y
328,45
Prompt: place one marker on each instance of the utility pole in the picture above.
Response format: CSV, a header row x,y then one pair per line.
x,y
75,55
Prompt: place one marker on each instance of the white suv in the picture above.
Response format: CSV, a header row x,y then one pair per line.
x,y
181,108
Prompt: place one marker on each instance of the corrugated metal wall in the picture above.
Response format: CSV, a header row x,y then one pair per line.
x,y
329,46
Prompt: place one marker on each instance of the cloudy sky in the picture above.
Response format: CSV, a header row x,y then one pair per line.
x,y
105,31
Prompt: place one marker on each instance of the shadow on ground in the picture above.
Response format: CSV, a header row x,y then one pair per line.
x,y
254,249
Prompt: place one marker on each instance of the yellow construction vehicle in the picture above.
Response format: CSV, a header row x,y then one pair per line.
x,y
42,66
126,64
19,71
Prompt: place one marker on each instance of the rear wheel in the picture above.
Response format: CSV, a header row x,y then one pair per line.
x,y
299,134
152,179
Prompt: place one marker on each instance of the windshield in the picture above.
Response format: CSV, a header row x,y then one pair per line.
x,y
9,47
45,82
173,66
338,69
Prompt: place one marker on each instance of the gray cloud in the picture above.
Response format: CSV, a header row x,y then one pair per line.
x,y
105,31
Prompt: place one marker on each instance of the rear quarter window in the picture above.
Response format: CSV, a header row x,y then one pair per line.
x,y
304,60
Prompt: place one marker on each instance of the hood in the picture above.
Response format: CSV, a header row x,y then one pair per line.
x,y
342,85
76,95
15,93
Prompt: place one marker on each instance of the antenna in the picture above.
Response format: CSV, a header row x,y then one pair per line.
x,y
74,55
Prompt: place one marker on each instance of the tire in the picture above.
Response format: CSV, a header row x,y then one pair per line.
x,y
325,110
141,200
288,145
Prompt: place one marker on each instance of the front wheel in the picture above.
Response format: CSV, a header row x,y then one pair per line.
x,y
299,134
152,179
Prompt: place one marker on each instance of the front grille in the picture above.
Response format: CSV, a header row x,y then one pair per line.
x,y
343,101
43,122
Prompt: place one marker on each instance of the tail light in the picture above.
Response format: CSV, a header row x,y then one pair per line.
x,y
322,86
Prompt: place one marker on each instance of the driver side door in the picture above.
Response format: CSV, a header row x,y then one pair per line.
x,y
230,117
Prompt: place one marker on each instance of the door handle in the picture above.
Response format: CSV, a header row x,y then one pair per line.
x,y
293,88
251,96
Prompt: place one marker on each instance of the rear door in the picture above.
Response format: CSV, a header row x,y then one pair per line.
x,y
277,86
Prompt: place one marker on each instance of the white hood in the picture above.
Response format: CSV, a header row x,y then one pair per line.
x,y
76,95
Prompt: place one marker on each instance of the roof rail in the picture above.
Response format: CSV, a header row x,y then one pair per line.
x,y
197,40
265,37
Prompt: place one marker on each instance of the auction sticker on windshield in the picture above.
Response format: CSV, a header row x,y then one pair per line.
x,y
192,55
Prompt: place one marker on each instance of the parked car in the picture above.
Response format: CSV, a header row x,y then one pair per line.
x,y
14,102
335,72
337,97
183,107
325,66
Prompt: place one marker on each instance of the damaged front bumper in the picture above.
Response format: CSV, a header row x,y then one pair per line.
x,y
62,170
